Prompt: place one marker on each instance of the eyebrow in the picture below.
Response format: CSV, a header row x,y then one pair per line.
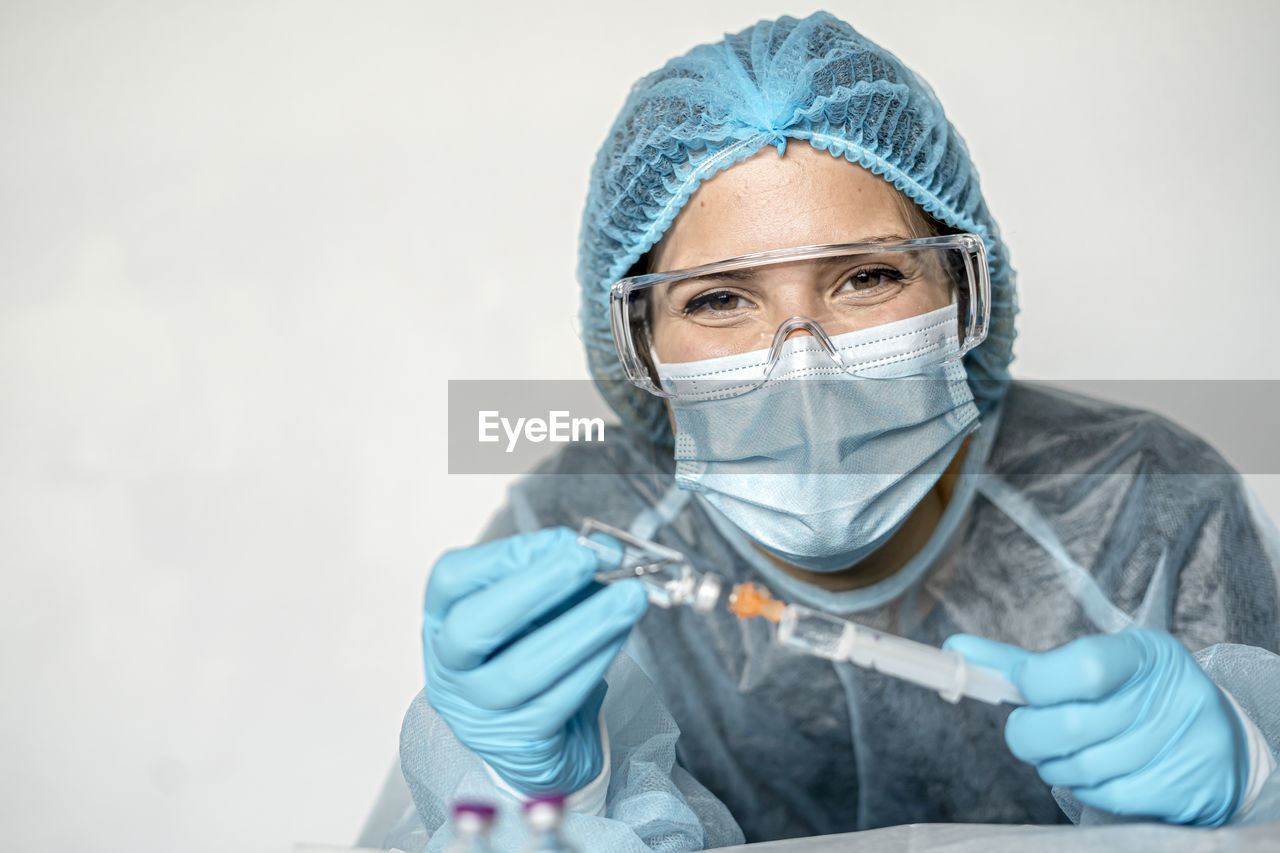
x,y
728,275
883,238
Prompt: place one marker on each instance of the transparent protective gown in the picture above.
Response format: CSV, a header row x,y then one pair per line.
x,y
1071,517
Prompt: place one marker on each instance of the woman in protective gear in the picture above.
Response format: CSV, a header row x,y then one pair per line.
x,y
794,294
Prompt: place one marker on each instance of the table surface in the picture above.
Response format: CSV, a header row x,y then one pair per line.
x,y
997,838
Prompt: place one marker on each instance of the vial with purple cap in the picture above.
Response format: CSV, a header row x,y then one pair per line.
x,y
471,824
543,816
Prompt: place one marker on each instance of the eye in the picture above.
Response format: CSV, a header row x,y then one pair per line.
x,y
870,279
716,301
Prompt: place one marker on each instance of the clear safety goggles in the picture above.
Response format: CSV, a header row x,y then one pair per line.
x,y
739,313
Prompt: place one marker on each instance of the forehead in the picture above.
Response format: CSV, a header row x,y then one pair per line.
x,y
802,198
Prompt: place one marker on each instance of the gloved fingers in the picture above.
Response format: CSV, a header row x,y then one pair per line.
x,y
1195,780
580,692
524,729
1037,734
459,573
487,619
1084,669
590,708
1148,793
1117,796
1102,762
979,650
554,651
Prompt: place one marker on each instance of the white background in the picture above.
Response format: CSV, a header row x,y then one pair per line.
x,y
244,245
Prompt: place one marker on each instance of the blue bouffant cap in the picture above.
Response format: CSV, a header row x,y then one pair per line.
x,y
816,80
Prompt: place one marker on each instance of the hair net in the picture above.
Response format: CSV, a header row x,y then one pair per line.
x,y
814,79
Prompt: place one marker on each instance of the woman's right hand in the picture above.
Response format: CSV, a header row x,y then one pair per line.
x,y
515,655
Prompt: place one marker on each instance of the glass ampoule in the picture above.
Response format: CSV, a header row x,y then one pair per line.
x,y
668,580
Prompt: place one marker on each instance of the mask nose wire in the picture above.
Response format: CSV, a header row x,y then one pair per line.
x,y
792,324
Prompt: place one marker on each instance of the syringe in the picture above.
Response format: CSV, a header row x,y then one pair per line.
x,y
824,635
668,580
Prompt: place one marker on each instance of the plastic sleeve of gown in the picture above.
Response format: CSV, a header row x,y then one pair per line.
x,y
652,802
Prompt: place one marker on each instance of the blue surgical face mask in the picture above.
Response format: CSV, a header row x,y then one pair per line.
x,y
822,464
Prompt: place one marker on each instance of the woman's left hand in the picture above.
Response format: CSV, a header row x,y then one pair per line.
x,y
1129,722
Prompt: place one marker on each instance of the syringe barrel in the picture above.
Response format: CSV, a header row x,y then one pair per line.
x,y
815,632
945,671
990,686
902,658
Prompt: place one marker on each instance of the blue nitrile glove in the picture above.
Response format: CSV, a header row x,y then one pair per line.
x,y
516,644
1129,722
